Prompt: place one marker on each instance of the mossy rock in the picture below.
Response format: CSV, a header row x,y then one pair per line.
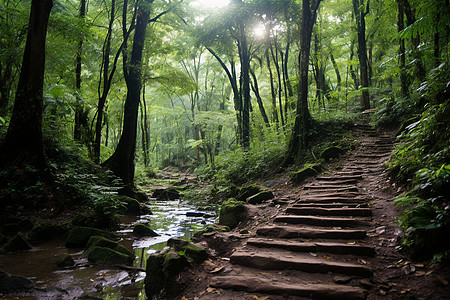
x,y
143,230
211,228
174,263
130,205
248,191
232,212
108,256
331,153
166,194
300,176
99,241
79,236
47,231
155,279
64,260
194,253
81,220
10,283
17,243
16,225
260,197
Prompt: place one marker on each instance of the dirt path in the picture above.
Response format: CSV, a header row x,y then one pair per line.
x,y
332,238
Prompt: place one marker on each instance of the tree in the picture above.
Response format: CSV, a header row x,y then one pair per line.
x,y
299,138
122,161
360,14
23,144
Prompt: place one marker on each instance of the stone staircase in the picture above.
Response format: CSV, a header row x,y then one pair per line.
x,y
317,248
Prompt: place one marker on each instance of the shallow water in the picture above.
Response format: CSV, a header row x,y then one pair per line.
x,y
168,220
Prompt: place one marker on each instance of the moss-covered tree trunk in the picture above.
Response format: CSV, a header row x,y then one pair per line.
x,y
23,142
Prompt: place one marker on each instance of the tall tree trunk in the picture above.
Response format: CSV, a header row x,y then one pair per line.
x,y
23,143
272,90
353,73
104,74
336,69
5,87
280,90
245,87
360,14
79,108
122,161
402,51
255,89
302,125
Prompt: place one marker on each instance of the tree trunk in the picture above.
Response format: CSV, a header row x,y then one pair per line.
x,y
360,14
402,52
336,69
245,75
23,143
302,125
122,161
272,90
258,98
79,108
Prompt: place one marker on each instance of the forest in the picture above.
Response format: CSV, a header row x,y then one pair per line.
x,y
100,99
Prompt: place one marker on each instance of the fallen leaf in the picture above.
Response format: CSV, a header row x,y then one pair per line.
x,y
351,243
184,298
420,273
207,262
312,254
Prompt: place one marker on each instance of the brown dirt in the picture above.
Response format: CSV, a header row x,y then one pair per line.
x,y
227,274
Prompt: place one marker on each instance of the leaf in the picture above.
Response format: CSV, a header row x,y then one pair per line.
x,y
442,279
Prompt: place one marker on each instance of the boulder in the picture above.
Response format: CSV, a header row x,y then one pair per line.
x,y
300,176
130,205
14,225
143,230
108,256
331,153
248,191
260,197
166,194
11,283
64,260
194,253
99,241
17,243
232,213
79,236
155,278
209,229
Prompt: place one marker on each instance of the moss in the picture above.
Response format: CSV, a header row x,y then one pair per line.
x,y
155,278
99,241
248,191
64,260
260,197
174,263
232,212
194,253
130,205
143,230
79,236
309,171
108,256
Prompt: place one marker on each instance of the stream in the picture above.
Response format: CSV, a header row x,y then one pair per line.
x,y
169,220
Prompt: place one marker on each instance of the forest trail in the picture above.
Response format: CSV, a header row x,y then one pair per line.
x,y
334,238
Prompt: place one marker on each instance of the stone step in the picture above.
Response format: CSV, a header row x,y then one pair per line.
x,y
332,205
319,211
277,260
253,284
289,232
337,248
367,162
340,177
348,173
321,221
336,187
313,193
335,181
372,155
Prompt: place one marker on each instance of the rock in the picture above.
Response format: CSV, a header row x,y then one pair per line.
x,y
232,212
174,263
166,194
81,220
208,216
130,206
79,236
249,191
155,278
211,229
99,241
331,153
143,230
14,225
299,176
260,197
194,253
194,214
47,231
64,260
108,256
12,283
17,243
243,231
